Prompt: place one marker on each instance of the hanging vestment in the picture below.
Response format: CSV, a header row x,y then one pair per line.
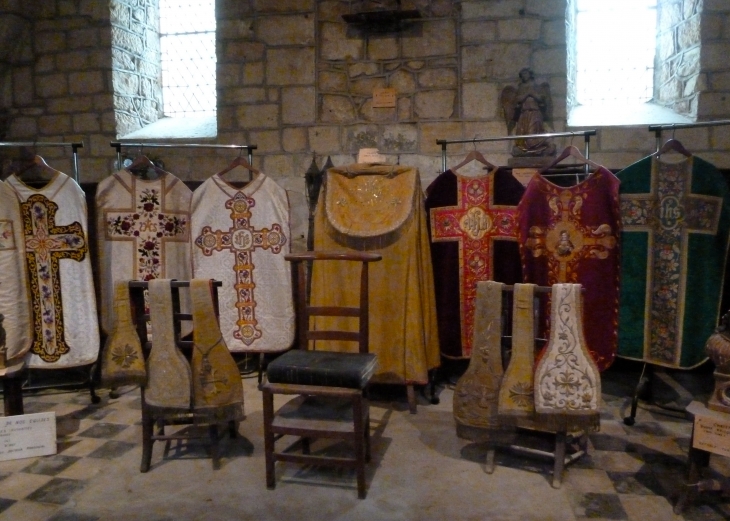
x,y
676,220
570,234
240,237
473,230
65,322
143,233
380,208
14,299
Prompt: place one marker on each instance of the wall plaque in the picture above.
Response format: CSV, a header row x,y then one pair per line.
x,y
384,98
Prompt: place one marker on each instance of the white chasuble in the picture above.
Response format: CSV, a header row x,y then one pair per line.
x,y
14,299
143,230
240,237
65,322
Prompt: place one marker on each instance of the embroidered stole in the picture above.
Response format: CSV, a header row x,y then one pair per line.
x,y
169,377
567,381
476,392
123,360
14,298
217,386
516,394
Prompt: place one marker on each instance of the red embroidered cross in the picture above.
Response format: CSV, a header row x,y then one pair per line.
x,y
475,222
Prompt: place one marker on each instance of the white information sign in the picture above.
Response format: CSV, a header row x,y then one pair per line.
x,y
27,435
712,434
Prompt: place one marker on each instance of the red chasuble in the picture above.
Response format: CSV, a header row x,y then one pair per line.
x,y
473,231
570,234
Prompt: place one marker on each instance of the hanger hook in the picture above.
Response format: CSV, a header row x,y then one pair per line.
x,y
674,129
240,152
474,142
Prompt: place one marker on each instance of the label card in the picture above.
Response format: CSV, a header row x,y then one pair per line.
x,y
27,435
712,434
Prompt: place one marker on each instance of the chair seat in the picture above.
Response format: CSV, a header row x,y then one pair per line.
x,y
349,370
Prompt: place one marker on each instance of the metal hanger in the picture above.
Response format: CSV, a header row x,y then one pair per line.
x,y
570,151
673,145
239,161
474,155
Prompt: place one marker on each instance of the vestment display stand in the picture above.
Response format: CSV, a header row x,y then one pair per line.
x,y
149,417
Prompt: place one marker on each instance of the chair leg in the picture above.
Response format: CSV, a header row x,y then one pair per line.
x,y
411,393
559,459
489,460
148,426
269,438
214,446
367,434
359,426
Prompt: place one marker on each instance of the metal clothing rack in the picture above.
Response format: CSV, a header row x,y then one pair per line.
x,y
118,146
657,129
585,133
35,144
643,387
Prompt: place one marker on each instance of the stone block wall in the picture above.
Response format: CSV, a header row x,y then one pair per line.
x,y
678,55
295,80
136,70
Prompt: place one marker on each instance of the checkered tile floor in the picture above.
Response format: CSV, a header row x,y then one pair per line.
x,y
630,473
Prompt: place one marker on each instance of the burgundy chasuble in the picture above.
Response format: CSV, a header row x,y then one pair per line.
x,y
570,235
473,231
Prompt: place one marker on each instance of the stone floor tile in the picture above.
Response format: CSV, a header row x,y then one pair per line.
x,y
112,449
28,511
20,484
57,491
649,508
84,469
103,430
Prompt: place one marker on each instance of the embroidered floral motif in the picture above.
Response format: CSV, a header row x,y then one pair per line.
x,y
45,245
242,239
565,380
124,356
7,239
565,241
149,226
522,394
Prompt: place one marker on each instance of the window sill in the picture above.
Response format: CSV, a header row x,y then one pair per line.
x,y
623,114
190,127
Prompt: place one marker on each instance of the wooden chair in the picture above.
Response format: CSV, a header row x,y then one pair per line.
x,y
330,386
149,417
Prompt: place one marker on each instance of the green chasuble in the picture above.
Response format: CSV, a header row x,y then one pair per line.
x,y
675,218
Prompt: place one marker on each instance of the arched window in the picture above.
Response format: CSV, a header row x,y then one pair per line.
x,y
621,54
164,68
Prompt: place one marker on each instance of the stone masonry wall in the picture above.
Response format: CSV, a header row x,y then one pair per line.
x,y
136,70
295,80
678,55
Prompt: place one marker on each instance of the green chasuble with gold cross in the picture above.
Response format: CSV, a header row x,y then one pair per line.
x,y
676,219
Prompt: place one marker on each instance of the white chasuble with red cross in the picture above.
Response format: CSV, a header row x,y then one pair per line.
x,y
240,237
143,230
14,300
64,319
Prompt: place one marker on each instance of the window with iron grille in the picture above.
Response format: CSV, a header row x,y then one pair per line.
x,y
187,48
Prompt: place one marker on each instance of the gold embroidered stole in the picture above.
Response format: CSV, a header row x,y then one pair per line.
x,y
475,396
516,394
567,381
217,386
123,360
169,378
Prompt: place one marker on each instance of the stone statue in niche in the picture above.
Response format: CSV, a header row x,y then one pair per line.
x,y
527,109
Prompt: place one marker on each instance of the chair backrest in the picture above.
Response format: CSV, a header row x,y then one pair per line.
x,y
300,261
